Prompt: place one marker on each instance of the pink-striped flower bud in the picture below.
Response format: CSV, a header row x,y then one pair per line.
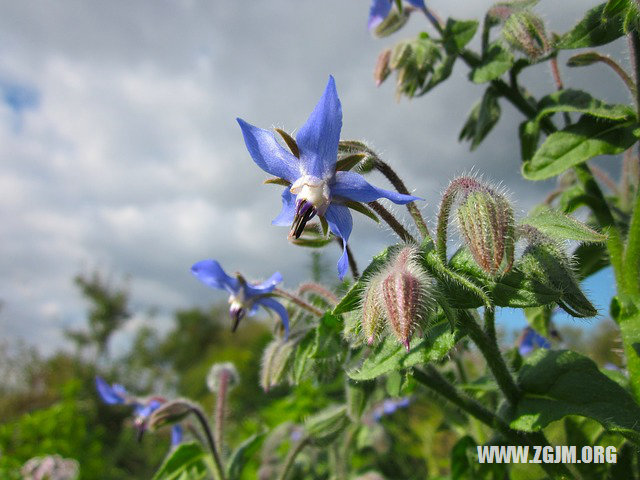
x,y
406,294
485,220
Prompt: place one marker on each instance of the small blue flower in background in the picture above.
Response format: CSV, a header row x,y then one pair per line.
x,y
244,298
316,188
380,10
531,340
116,394
389,407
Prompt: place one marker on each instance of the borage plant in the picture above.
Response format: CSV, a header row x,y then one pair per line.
x,y
412,328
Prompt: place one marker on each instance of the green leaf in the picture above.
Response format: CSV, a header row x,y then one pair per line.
x,y
593,30
529,132
277,181
584,59
497,61
187,459
559,226
570,100
357,394
325,426
457,34
539,318
391,355
483,117
511,290
561,383
328,340
302,362
242,455
578,143
440,73
590,258
351,300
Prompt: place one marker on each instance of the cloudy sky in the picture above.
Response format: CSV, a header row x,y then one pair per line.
x,y
120,151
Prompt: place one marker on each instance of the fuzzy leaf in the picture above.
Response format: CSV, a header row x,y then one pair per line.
x,y
242,455
457,34
578,143
511,290
497,61
326,425
483,117
581,102
187,459
559,226
593,30
584,59
302,362
561,383
539,318
328,337
390,355
529,137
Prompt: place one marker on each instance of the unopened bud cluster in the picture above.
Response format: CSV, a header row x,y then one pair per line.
x,y
397,298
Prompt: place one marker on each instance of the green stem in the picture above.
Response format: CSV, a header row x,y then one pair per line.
x,y
218,470
490,324
632,251
291,458
395,225
319,290
221,404
492,355
433,380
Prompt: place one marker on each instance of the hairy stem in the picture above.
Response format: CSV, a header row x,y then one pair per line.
x,y
395,225
433,380
492,355
298,301
218,470
319,290
291,458
221,405
353,266
399,185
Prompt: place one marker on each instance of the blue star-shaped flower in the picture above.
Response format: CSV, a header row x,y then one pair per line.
x,y
380,10
116,394
316,188
244,298
530,340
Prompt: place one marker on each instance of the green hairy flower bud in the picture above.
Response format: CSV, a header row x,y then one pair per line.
x,y
373,315
485,220
170,413
525,32
325,426
275,359
546,261
392,23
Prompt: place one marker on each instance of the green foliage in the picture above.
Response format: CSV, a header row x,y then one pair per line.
x,y
497,61
185,462
560,383
483,117
560,227
600,25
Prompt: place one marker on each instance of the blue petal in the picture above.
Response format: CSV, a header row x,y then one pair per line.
x,y
211,273
144,411
378,12
176,435
530,340
111,395
417,3
285,217
276,306
354,187
268,154
340,222
265,287
319,136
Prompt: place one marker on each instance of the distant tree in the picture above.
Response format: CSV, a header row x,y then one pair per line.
x,y
108,311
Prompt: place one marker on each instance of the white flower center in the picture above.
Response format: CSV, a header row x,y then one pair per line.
x,y
314,190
